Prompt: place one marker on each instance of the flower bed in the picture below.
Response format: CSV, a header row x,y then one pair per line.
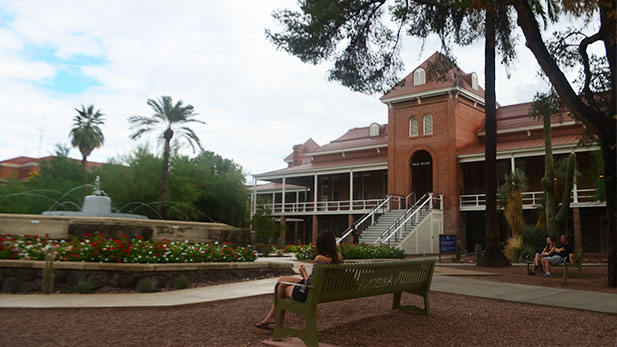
x,y
100,248
354,251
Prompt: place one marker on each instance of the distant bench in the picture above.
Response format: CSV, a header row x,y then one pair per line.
x,y
349,281
575,260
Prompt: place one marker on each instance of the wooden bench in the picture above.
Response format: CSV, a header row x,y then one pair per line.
x,y
576,260
348,281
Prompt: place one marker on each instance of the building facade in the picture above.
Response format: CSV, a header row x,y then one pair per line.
x,y
432,144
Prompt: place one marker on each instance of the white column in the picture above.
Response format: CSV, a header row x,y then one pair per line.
x,y
297,200
512,168
283,197
350,189
575,192
273,200
254,198
315,194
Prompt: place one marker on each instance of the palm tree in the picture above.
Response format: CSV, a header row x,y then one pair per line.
x,y
86,134
171,119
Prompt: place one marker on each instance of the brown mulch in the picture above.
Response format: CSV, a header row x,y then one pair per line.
x,y
595,278
454,321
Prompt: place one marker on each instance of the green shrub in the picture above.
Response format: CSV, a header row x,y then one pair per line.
x,y
84,286
182,282
264,248
354,251
533,241
291,249
147,285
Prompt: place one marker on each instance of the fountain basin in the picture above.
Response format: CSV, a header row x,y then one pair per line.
x,y
63,227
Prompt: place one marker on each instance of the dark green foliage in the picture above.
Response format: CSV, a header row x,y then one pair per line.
x,y
206,188
354,251
147,285
264,249
84,286
267,229
534,240
182,282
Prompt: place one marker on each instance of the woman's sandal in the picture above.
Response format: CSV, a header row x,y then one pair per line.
x,y
265,326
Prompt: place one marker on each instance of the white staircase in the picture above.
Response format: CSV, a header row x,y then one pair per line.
x,y
372,233
414,230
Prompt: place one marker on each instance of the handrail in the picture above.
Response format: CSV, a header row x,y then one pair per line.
x,y
405,216
407,198
395,231
372,212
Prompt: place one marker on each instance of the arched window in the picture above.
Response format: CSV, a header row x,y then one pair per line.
x,y
428,124
419,77
474,81
413,126
373,130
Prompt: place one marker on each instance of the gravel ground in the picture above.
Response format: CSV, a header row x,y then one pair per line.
x,y
594,277
454,321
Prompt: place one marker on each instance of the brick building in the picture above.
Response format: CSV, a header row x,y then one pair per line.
x,y
431,154
22,168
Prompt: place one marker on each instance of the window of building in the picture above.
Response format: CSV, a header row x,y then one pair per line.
x,y
324,189
413,126
366,185
474,81
428,124
419,77
373,130
335,189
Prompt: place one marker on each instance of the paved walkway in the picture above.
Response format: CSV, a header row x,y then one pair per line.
x,y
445,280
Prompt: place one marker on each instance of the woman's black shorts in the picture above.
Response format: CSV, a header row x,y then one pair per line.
x,y
299,293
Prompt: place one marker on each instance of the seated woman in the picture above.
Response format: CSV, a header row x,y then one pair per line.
x,y
294,288
549,250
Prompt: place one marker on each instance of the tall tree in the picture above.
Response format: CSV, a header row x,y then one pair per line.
x,y
593,98
171,119
86,133
365,53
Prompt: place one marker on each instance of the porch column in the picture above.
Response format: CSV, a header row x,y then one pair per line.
x,y
512,167
574,193
315,195
295,240
576,220
297,200
283,230
283,197
350,190
254,197
273,200
315,228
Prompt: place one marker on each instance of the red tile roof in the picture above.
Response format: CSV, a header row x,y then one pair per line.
x,y
456,77
309,146
522,144
356,138
331,164
517,116
19,160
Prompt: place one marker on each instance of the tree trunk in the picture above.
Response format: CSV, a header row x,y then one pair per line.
x,y
167,135
493,257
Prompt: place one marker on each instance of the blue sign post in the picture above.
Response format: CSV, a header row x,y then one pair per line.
x,y
447,244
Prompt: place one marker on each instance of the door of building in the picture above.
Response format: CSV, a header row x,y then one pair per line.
x,y
421,173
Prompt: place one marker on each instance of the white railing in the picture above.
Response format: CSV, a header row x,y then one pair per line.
x,y
533,199
360,224
322,206
426,202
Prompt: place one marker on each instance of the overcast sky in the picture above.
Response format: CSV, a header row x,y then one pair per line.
x,y
257,102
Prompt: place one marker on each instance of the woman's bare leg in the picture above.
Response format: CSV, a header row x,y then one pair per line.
x,y
284,291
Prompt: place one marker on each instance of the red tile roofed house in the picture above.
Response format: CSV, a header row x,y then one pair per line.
x,y
21,168
433,144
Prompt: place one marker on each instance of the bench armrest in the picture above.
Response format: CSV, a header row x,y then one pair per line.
x,y
297,284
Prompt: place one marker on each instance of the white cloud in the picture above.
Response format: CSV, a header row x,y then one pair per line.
x,y
257,102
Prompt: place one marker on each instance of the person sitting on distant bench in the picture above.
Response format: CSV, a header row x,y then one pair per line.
x,y
548,250
561,255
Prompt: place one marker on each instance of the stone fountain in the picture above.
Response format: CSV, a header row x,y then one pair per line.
x,y
96,205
